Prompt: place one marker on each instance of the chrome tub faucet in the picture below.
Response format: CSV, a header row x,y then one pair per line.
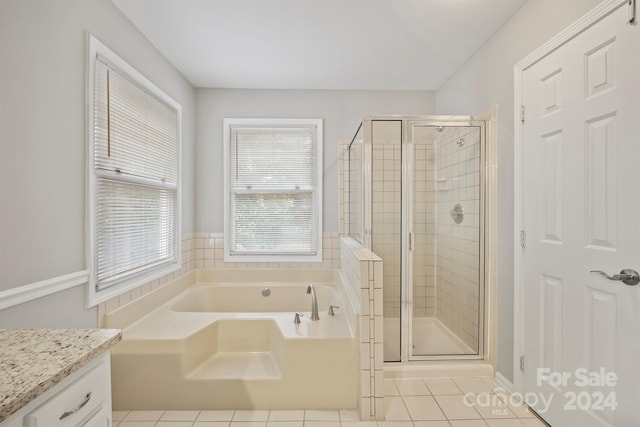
x,y
314,302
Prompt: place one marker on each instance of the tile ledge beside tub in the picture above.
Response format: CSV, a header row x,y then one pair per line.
x,y
33,361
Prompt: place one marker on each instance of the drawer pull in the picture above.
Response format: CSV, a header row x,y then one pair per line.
x,y
82,404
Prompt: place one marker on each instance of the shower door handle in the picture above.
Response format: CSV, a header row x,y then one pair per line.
x,y
626,276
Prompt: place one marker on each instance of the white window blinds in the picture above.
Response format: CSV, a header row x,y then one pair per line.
x,y
135,154
273,177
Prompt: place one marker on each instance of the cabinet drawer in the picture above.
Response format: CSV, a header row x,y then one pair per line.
x,y
75,402
100,419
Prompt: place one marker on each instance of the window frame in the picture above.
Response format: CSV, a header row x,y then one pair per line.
x,y
154,271
317,194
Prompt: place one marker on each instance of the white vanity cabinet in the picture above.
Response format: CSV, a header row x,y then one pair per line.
x,y
81,399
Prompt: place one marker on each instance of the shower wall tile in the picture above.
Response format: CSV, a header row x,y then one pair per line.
x,y
457,258
386,213
364,329
365,382
379,356
378,301
378,277
424,227
365,408
359,267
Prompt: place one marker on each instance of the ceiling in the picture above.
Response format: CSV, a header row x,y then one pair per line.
x,y
318,44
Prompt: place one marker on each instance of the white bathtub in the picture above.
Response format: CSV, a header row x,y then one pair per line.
x,y
215,342
230,297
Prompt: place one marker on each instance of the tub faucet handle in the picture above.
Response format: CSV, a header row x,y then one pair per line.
x,y
331,307
297,317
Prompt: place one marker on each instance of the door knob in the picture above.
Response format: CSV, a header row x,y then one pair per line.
x,y
626,276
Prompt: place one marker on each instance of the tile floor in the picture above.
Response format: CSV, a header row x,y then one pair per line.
x,y
409,402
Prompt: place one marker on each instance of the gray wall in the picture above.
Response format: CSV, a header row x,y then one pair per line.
x,y
486,80
341,110
43,143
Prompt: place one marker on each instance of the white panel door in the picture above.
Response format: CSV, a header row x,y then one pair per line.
x,y
581,187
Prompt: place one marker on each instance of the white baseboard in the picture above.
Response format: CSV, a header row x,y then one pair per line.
x,y
26,293
505,383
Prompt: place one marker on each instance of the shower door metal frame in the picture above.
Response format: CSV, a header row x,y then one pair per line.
x,y
407,158
406,316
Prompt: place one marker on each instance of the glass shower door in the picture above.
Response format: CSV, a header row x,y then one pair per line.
x,y
445,218
386,224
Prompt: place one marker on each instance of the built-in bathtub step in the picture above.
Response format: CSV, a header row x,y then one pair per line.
x,y
238,365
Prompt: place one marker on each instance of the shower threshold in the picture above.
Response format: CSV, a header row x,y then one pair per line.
x,y
430,338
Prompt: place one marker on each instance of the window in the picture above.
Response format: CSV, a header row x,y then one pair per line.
x,y
273,190
134,177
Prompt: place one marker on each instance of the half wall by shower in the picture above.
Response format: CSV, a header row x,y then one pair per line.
x,y
414,197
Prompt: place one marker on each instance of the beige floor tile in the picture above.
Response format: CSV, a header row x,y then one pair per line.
x,y
359,424
472,385
493,385
518,408
505,423
174,424
215,416
533,422
143,416
179,416
390,388
118,415
321,415
286,416
349,415
285,424
250,416
489,405
137,424
439,386
468,423
454,408
412,387
394,409
423,408
248,424
322,424
211,424
497,411
432,424
395,424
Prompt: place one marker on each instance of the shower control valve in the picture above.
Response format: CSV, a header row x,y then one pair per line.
x,y
457,213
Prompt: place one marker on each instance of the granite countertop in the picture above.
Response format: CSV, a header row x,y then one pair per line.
x,y
33,361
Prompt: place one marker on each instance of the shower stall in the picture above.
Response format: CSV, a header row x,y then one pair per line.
x,y
414,196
